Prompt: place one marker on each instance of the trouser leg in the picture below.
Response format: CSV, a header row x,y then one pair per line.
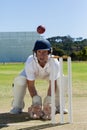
x,y
57,97
19,90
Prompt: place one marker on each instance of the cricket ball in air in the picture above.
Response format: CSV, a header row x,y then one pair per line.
x,y
41,29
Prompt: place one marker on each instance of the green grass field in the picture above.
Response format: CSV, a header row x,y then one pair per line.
x,y
9,71
79,83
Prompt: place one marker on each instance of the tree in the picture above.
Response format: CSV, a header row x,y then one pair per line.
x,y
66,45
57,51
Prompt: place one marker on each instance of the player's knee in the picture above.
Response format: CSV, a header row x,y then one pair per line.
x,y
20,81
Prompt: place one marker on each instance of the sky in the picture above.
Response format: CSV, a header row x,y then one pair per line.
x,y
60,17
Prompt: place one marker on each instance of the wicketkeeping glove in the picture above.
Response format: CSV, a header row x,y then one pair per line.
x,y
47,108
35,111
46,112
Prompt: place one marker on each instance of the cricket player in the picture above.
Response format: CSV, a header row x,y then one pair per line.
x,y
37,66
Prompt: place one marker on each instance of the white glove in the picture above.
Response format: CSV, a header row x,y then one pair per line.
x,y
47,100
36,100
35,111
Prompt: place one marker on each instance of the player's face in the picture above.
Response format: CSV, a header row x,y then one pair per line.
x,y
42,56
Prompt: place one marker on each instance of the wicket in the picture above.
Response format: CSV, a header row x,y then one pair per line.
x,y
61,89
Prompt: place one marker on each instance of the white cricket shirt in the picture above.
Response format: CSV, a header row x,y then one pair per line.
x,y
34,71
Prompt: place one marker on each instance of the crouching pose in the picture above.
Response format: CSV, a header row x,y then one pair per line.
x,y
37,66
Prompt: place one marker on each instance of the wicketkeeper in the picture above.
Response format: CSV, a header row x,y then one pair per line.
x,y
37,66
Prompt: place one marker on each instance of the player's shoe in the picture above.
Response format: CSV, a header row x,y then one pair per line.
x,y
16,110
65,111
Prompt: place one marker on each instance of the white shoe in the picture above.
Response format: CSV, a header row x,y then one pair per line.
x,y
65,111
16,110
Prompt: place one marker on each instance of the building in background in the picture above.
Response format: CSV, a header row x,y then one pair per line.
x,y
17,46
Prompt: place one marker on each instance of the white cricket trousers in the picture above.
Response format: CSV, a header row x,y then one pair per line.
x,y
19,91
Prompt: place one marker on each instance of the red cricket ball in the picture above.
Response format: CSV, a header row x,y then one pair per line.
x,y
41,29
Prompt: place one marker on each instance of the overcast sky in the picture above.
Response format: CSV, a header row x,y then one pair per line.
x,y
60,17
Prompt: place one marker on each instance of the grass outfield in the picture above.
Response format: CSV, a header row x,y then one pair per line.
x,y
9,71
79,77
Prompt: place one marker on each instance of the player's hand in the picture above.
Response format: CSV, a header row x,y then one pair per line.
x,y
46,112
35,111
